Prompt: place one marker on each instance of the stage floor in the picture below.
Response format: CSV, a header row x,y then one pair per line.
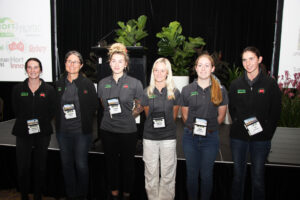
x,y
282,153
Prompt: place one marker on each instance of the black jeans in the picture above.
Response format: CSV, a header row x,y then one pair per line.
x,y
119,151
37,146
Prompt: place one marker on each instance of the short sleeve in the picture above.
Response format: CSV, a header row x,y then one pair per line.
x,y
184,96
225,100
139,90
177,95
145,99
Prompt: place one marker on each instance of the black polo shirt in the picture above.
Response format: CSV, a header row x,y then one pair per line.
x,y
199,102
159,102
126,90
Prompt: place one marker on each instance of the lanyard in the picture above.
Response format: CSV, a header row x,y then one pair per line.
x,y
153,100
206,105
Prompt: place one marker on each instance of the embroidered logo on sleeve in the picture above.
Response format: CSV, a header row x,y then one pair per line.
x,y
241,91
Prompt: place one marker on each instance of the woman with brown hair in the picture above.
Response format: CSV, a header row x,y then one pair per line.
x,y
204,104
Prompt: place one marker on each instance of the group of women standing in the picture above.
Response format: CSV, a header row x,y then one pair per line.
x,y
203,104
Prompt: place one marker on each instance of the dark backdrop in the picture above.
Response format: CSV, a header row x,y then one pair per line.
x,y
226,26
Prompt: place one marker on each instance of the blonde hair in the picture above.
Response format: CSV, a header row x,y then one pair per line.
x,y
169,81
118,48
216,93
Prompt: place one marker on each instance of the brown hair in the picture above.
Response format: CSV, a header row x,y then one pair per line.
x,y
216,93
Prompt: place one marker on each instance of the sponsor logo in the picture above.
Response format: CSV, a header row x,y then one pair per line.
x,y
16,46
261,90
241,91
107,86
194,93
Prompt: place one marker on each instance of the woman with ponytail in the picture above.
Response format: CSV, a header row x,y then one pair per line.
x,y
204,104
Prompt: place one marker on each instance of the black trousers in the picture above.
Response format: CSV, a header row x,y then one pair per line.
x,y
119,151
32,150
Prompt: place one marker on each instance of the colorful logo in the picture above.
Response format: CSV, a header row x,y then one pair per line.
x,y
241,91
16,46
261,90
85,91
194,93
107,86
7,27
125,86
42,94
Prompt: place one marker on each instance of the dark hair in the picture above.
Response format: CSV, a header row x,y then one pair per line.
x,y
253,50
76,53
36,60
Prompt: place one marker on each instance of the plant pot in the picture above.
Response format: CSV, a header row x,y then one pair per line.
x,y
180,82
285,147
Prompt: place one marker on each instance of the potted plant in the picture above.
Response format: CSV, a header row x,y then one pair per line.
x,y
177,49
132,32
285,142
290,88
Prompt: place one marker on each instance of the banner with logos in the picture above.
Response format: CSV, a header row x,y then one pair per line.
x,y
289,59
25,31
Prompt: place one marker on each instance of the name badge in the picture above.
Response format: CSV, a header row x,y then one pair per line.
x,y
114,106
200,126
253,126
158,120
69,110
33,126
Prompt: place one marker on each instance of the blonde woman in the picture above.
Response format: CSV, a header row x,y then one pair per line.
x,y
204,104
161,104
120,96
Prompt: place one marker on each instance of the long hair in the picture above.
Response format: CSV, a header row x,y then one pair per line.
x,y
216,93
169,81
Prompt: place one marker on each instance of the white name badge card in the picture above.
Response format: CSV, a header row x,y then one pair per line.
x,y
200,127
69,110
253,126
114,106
33,126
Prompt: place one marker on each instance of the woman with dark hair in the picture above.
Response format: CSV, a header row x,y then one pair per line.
x,y
77,104
34,106
254,106
203,109
120,97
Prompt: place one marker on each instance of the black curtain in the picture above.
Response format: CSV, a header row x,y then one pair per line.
x,y
226,26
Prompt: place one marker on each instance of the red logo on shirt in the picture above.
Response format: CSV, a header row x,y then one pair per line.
x,y
125,86
85,91
261,91
42,95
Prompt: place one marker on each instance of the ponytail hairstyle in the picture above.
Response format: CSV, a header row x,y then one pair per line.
x,y
118,48
216,93
169,80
